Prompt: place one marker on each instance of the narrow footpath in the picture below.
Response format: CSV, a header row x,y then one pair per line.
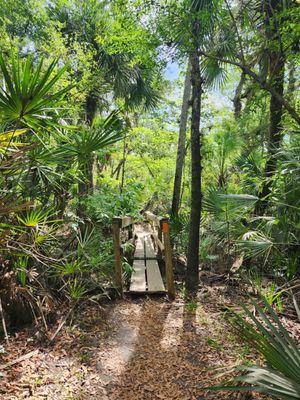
x,y
134,349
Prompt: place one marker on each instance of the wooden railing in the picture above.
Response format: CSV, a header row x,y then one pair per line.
x,y
161,235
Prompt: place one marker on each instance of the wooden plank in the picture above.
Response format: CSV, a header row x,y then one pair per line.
x,y
123,221
139,248
154,279
127,221
149,249
138,277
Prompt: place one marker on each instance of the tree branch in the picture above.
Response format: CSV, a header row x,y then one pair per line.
x,y
263,83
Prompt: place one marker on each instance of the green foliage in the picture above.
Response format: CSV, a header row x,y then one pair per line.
x,y
179,226
108,202
81,144
76,290
21,264
279,378
35,217
28,97
69,160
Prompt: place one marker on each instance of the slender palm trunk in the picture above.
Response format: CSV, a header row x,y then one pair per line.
x,y
181,141
192,278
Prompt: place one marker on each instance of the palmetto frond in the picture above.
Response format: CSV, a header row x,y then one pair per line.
x,y
280,378
35,217
255,243
234,205
27,97
81,144
214,73
142,94
7,139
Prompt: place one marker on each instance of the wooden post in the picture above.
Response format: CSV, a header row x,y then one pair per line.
x,y
116,226
159,235
165,228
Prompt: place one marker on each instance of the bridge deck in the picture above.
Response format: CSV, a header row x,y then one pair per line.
x,y
146,276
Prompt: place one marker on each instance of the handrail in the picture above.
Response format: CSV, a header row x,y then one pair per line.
x,y
123,222
153,218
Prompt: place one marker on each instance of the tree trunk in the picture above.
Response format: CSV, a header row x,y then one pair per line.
x,y
192,278
125,148
86,167
90,108
276,73
237,100
181,141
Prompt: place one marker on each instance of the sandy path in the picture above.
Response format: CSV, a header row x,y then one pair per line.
x,y
142,349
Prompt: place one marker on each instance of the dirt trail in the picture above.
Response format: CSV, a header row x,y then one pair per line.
x,y
143,349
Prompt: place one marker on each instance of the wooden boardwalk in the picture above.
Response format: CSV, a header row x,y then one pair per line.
x,y
146,276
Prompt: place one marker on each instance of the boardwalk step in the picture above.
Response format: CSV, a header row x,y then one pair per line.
x,y
154,279
138,278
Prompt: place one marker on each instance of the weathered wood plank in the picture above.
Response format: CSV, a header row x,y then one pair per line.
x,y
149,249
123,221
139,248
138,277
127,221
154,279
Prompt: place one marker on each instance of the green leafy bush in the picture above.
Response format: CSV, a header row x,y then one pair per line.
x,y
108,202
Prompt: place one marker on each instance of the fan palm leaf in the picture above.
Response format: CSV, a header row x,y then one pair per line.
x,y
27,97
280,377
79,145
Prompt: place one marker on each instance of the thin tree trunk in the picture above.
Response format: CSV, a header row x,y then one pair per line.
x,y
91,108
181,141
276,71
192,278
275,134
123,165
86,185
237,100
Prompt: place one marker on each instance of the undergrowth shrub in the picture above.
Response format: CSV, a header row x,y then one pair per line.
x,y
108,202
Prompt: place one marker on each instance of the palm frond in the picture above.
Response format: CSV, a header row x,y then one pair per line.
x,y
27,97
280,377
